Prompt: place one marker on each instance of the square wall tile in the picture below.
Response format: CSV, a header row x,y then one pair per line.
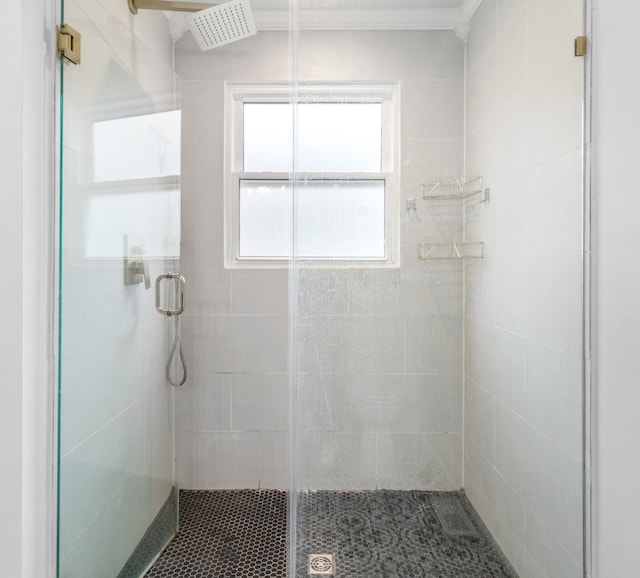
x,y
260,291
511,443
260,402
221,460
263,57
203,228
554,492
554,396
506,12
274,460
546,554
204,403
541,298
400,403
425,159
550,28
412,461
406,55
237,343
319,291
351,344
324,55
553,111
434,344
480,420
208,286
335,461
433,109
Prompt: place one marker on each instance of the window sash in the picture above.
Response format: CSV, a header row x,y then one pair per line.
x,y
351,215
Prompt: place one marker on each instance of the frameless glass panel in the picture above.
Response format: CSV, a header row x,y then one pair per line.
x,y
336,219
119,230
331,137
437,403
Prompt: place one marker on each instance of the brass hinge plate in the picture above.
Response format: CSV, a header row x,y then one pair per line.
x,y
69,44
581,46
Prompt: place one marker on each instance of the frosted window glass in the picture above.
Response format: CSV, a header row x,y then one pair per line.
x,y
265,219
340,137
332,137
137,147
339,219
268,137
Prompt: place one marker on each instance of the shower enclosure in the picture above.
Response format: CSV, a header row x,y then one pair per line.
x,y
379,215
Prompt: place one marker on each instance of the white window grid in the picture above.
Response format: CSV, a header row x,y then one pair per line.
x,y
237,94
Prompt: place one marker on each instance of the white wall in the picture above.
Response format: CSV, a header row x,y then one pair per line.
x,y
617,286
523,356
12,347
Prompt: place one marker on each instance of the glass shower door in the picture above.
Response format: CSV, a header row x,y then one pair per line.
x,y
119,230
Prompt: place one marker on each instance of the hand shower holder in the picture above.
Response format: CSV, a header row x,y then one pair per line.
x,y
180,282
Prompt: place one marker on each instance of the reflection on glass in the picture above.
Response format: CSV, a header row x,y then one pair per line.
x,y
137,147
152,214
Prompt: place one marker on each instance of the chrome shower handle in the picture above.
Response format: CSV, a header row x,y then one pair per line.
x,y
181,282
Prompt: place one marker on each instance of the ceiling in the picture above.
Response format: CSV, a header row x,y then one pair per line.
x,y
366,14
356,4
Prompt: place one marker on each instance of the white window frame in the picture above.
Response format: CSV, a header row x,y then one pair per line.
x,y
237,94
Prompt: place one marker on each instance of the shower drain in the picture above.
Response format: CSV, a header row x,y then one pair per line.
x,y
321,564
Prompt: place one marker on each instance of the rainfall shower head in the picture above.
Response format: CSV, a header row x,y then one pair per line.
x,y
221,24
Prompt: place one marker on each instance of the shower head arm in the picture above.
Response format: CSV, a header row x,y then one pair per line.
x,y
169,5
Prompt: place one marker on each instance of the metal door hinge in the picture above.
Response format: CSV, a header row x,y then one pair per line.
x,y
581,46
68,44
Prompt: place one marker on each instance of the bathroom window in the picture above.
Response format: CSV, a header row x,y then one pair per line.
x,y
330,198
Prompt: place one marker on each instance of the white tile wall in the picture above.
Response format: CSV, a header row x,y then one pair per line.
x,y
523,322
379,351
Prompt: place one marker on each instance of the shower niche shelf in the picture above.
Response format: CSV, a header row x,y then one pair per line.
x,y
459,188
439,251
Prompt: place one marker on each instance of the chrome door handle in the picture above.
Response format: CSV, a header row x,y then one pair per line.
x,y
180,287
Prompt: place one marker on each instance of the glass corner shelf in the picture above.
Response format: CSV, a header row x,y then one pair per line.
x,y
459,188
434,251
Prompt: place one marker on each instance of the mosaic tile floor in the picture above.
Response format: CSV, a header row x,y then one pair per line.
x,y
378,534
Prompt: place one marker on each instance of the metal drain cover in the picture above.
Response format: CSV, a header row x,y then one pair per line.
x,y
455,521
321,565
